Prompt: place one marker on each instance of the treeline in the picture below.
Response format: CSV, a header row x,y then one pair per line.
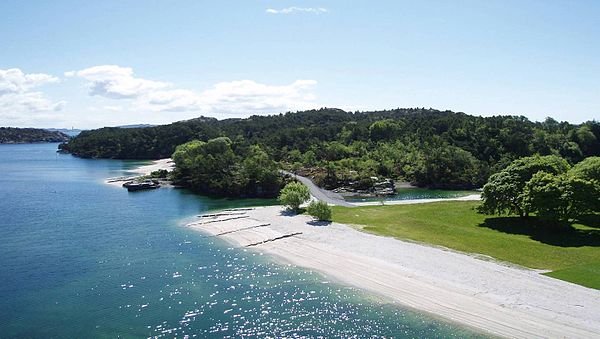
x,y
426,147
12,135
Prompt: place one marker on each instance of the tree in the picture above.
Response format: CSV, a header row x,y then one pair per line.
x,y
388,130
588,169
293,195
447,167
561,197
587,140
262,172
319,210
504,191
185,154
221,167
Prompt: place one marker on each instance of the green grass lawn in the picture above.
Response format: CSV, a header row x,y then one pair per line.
x,y
572,254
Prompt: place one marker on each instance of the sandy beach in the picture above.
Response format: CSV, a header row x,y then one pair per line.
x,y
496,298
166,164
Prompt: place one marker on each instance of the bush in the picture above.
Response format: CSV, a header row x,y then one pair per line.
x,y
293,195
319,210
161,173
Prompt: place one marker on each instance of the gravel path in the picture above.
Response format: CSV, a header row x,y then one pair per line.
x,y
319,193
333,198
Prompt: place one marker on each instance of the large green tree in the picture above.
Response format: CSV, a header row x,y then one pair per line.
x,y
588,169
504,191
561,197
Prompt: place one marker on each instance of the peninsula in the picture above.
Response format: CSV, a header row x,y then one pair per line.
x,y
12,135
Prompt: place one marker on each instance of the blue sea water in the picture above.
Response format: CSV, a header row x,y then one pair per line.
x,y
82,259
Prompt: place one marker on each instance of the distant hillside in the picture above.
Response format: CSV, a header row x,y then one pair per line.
x,y
426,147
136,126
68,131
11,135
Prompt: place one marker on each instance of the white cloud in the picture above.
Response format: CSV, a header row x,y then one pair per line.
x,y
116,82
13,80
235,97
28,102
18,101
290,10
252,97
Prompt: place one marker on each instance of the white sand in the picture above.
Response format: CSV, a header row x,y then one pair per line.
x,y
166,164
500,299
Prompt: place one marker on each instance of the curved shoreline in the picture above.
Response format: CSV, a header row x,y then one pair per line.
x,y
161,164
500,299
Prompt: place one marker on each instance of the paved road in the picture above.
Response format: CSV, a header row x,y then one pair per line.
x,y
319,193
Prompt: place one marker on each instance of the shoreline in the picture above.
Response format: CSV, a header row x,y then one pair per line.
x,y
161,164
493,297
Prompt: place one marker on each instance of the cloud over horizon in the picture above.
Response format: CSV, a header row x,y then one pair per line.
x,y
293,9
18,100
116,82
233,97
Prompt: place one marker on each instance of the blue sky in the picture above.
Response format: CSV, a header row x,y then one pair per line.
x,y
91,64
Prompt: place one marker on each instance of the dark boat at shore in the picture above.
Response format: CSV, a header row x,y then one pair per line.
x,y
143,185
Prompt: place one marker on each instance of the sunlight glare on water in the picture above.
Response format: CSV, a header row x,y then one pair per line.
x,y
80,258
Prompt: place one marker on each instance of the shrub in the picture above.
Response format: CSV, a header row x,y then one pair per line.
x,y
293,195
319,210
161,173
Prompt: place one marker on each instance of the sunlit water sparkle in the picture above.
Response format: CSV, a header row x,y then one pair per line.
x,y
80,258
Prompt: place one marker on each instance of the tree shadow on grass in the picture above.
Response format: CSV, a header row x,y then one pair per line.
x,y
539,230
590,220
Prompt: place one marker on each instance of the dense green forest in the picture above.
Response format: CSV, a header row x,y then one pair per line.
x,y
221,167
426,147
12,135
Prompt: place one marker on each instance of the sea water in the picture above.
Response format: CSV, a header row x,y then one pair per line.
x,y
83,259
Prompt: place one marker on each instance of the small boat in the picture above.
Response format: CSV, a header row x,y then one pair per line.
x,y
142,185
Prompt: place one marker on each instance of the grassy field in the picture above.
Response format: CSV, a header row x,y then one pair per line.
x,y
572,254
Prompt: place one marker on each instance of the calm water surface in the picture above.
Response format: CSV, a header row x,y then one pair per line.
x,y
79,258
415,193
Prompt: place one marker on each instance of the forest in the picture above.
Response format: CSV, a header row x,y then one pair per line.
x,y
426,147
12,135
